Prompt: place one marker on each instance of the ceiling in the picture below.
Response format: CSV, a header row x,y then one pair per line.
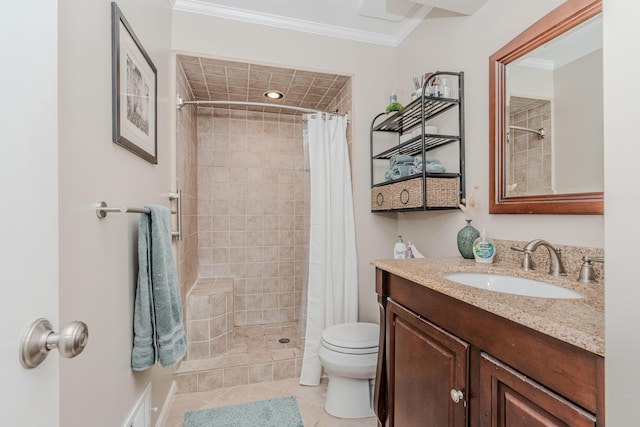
x,y
383,22
221,80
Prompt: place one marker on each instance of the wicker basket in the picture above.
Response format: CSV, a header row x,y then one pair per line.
x,y
407,194
443,192
381,198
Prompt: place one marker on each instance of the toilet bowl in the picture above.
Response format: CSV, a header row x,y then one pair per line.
x,y
349,355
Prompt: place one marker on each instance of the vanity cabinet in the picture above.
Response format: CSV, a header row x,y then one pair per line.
x,y
509,398
435,349
426,364
420,186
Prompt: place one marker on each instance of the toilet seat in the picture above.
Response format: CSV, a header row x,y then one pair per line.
x,y
351,338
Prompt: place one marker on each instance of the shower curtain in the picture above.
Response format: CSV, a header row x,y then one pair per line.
x,y
332,290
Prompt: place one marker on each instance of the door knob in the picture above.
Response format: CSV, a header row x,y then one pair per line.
x,y
456,396
39,339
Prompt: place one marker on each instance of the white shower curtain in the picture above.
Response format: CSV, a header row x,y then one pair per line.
x,y
332,295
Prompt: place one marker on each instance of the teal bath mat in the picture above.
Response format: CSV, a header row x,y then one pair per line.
x,y
278,412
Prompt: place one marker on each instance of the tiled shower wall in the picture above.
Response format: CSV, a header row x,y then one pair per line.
x,y
530,158
253,210
251,222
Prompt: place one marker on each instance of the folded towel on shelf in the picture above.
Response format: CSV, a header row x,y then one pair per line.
x,y
435,167
401,165
400,171
431,167
391,174
157,319
400,158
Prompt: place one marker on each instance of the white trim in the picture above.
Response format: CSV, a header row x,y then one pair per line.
x,y
166,406
543,64
142,407
205,8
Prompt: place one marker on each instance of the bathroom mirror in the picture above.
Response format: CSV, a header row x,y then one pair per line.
x,y
545,116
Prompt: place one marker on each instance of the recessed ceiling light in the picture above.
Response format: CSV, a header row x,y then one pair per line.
x,y
274,94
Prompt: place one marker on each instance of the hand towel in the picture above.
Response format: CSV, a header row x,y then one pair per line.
x,y
157,320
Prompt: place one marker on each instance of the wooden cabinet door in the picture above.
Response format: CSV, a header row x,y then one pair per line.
x,y
508,398
425,364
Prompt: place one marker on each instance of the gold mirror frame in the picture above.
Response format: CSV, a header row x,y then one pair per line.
x,y
557,22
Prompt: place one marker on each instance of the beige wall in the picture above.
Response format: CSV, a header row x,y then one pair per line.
x,y
465,43
372,68
98,264
578,125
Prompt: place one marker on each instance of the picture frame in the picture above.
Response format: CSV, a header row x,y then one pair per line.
x,y
134,91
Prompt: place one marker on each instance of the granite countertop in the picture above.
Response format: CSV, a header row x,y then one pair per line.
x,y
576,321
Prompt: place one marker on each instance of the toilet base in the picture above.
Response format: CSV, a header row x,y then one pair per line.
x,y
348,398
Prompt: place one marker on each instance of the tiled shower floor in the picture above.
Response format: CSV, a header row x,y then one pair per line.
x,y
257,356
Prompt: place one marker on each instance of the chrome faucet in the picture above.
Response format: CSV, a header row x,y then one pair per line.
x,y
556,268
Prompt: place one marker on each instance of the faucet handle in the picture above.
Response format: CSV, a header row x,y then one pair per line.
x,y
527,262
587,275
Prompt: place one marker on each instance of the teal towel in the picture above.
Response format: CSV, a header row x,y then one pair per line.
x,y
157,319
399,158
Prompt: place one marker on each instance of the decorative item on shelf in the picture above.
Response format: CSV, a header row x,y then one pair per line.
x,y
417,87
394,105
468,234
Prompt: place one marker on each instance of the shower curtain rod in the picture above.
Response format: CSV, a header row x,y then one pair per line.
x,y
181,103
539,132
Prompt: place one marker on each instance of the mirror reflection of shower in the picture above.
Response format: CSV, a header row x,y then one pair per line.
x,y
529,154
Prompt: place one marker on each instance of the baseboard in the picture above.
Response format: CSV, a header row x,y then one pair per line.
x,y
166,407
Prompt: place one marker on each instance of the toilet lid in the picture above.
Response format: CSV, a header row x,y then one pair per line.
x,y
355,338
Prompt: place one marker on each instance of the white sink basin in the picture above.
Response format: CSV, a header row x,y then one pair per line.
x,y
513,285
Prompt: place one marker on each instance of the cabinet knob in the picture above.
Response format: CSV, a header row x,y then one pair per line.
x,y
456,396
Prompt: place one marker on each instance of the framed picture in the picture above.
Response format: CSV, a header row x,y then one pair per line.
x,y
134,91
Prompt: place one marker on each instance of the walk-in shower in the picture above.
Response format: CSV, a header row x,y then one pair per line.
x,y
245,185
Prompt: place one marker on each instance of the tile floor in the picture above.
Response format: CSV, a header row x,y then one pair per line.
x,y
310,402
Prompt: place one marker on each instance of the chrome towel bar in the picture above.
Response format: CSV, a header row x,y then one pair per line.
x,y
102,210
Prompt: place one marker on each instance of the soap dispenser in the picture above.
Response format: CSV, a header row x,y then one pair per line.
x,y
483,249
399,249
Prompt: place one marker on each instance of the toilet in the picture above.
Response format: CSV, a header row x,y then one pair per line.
x,y
349,355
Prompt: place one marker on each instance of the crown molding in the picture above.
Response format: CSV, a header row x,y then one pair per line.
x,y
542,64
205,8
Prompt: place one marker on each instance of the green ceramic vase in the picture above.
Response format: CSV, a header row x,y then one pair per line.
x,y
466,236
